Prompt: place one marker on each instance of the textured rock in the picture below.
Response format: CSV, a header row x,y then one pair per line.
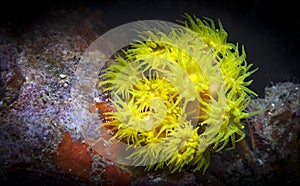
x,y
76,159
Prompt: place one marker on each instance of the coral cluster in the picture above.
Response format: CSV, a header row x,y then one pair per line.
x,y
179,96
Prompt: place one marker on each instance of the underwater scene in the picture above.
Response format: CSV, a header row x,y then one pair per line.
x,y
149,93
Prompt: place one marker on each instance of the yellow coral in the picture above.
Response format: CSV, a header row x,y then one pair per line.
x,y
179,96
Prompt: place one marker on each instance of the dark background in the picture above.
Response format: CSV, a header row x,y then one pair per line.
x,y
269,30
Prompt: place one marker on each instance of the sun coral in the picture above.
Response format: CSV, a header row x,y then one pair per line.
x,y
179,96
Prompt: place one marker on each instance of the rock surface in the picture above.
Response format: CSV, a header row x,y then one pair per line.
x,y
37,71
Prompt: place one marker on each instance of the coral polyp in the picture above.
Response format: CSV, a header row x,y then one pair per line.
x,y
179,96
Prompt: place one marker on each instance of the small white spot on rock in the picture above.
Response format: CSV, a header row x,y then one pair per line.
x,y
62,76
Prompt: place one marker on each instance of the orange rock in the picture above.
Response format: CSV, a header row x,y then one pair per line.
x,y
106,146
115,176
105,107
75,158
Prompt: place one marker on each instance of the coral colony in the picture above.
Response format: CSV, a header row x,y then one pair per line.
x,y
178,97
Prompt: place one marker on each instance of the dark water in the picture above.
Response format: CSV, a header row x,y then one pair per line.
x,y
269,30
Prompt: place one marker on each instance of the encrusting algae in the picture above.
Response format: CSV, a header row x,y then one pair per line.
x,y
179,96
